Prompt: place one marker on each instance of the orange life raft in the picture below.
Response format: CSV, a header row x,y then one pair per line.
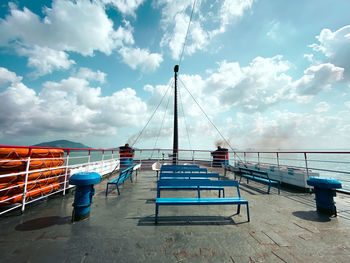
x,y
30,194
8,166
18,153
17,188
31,176
15,160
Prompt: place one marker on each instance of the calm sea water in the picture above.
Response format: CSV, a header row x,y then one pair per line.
x,y
327,165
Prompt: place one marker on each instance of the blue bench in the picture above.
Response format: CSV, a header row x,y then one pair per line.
x,y
167,185
258,176
126,173
189,175
199,184
181,165
184,168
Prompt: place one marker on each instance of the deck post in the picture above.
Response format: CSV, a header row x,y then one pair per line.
x,y
26,183
65,176
278,166
175,141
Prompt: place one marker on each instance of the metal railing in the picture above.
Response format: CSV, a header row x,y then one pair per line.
x,y
104,161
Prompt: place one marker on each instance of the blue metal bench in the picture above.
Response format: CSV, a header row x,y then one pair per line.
x,y
199,184
171,187
181,165
188,175
182,168
126,173
258,176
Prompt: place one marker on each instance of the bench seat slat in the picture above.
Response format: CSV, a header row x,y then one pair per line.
x,y
200,201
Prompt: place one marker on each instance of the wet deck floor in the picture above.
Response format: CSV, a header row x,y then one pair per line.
x,y
283,228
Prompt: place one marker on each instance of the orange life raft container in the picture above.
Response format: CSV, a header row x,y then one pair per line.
x,y
8,166
30,194
18,187
18,153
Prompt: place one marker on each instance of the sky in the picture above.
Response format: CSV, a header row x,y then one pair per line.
x,y
261,74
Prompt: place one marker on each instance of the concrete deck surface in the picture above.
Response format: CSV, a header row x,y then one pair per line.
x,y
283,228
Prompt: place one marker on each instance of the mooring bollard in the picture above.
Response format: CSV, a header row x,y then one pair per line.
x,y
84,192
324,193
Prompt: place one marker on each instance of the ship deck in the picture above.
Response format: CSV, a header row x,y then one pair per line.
x,y
283,228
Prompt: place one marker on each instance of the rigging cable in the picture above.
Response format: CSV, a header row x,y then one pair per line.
x,y
161,126
212,123
183,112
152,114
188,29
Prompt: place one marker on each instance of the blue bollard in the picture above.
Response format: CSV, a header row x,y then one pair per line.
x,y
325,193
84,192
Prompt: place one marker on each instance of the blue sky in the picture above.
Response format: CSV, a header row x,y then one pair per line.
x,y
269,73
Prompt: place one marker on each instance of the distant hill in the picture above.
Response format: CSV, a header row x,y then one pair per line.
x,y
62,144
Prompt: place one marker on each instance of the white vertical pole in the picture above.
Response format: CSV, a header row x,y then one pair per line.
x,y
89,160
25,183
65,176
306,165
103,156
278,166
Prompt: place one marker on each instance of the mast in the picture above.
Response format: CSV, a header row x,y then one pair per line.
x,y
175,140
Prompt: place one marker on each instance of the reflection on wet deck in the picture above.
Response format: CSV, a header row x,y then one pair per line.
x,y
283,228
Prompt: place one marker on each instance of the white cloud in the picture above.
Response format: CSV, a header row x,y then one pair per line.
x,y
309,57
68,106
335,46
176,16
256,87
7,76
77,26
347,104
126,7
232,10
262,85
141,58
88,74
273,31
45,60
318,78
322,107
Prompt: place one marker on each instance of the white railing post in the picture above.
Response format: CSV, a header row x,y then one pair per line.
x,y
245,158
102,161
140,156
26,183
259,160
89,160
278,166
193,157
66,174
306,165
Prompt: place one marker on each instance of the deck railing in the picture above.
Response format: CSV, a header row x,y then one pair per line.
x,y
334,164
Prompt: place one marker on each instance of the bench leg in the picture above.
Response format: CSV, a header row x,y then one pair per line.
x,y
279,188
107,189
156,216
248,213
118,190
238,209
268,189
